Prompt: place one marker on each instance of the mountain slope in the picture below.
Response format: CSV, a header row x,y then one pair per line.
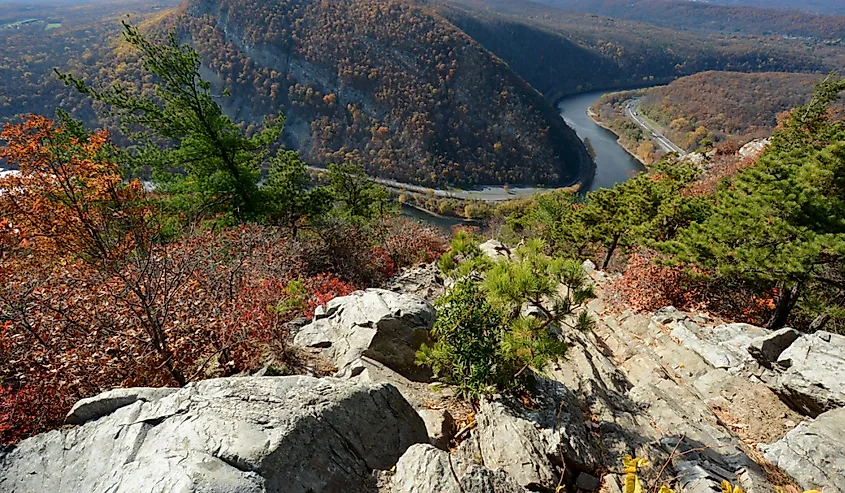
x,y
703,16
730,106
563,52
385,83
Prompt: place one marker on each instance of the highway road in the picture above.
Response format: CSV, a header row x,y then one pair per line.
x,y
487,193
664,143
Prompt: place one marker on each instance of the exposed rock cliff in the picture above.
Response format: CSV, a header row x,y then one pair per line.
x,y
703,401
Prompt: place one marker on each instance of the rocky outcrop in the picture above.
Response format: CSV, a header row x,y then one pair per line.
x,y
650,396
245,435
503,440
106,403
385,326
440,426
495,249
424,281
812,453
721,346
753,148
766,349
425,469
809,373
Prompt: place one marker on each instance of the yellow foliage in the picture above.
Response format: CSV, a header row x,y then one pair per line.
x,y
632,483
631,464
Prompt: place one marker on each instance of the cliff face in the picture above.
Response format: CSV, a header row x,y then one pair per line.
x,y
389,84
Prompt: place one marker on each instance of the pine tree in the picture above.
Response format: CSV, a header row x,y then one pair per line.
x,y
183,129
358,196
290,198
780,224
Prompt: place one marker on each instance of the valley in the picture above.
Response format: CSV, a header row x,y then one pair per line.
x,y
421,246
435,132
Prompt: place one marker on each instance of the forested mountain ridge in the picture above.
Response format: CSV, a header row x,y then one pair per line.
x,y
729,106
704,16
390,85
563,52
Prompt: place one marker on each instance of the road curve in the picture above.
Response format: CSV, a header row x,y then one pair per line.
x,y
486,193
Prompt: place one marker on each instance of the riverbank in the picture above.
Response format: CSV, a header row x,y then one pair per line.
x,y
594,117
613,163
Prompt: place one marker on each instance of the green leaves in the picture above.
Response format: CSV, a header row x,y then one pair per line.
x,y
490,331
358,197
288,197
182,130
780,223
468,351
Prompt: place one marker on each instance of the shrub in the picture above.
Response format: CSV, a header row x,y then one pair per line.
x,y
486,336
469,335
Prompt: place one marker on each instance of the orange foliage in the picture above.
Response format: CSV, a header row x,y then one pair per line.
x,y
648,286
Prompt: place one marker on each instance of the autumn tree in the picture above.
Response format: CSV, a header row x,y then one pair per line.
x,y
92,298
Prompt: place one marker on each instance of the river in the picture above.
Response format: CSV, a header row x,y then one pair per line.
x,y
613,163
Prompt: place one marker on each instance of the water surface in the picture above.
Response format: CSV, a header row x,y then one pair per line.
x,y
613,163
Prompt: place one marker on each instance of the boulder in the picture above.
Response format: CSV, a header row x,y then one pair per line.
x,y
426,469
244,435
669,314
385,326
809,373
753,148
440,426
723,346
495,249
767,349
503,440
813,453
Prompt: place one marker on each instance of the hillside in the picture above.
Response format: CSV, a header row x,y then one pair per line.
x,y
73,36
813,6
563,52
730,106
703,16
389,85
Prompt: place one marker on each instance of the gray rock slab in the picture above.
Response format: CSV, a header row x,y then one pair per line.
x,y
813,453
426,469
231,435
385,326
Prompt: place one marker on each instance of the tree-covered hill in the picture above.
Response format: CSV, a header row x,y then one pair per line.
x,y
759,18
562,52
730,106
390,85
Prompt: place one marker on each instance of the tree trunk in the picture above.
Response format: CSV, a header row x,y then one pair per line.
x,y
610,251
819,322
786,302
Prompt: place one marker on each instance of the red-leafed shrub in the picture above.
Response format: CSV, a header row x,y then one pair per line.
x,y
323,288
409,242
92,297
646,285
